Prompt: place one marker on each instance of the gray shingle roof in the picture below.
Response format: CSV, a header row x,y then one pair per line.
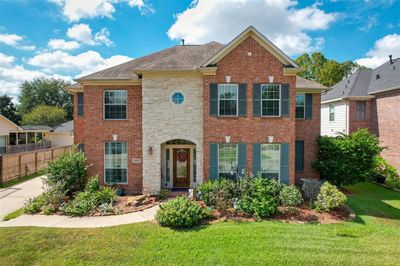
x,y
176,57
365,82
65,127
44,128
302,83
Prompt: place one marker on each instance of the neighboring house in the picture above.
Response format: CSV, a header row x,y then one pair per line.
x,y
189,113
6,126
367,99
62,135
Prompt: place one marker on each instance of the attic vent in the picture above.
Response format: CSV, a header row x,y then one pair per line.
x,y
348,81
378,76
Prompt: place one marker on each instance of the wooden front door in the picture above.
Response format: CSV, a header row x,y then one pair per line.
x,y
181,167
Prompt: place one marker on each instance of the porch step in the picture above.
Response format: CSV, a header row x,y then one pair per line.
x,y
178,192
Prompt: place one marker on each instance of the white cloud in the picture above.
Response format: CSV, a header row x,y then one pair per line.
x,y
6,60
60,44
83,33
84,63
280,20
75,10
15,41
388,45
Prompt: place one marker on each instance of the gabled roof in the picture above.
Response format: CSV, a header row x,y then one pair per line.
x,y
65,127
365,83
302,83
267,44
8,121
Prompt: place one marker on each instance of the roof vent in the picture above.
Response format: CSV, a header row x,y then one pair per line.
x,y
348,81
183,42
390,58
378,76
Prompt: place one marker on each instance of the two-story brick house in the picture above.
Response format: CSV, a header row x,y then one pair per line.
x,y
190,113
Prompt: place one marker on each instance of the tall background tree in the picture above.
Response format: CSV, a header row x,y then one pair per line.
x,y
45,115
44,91
327,72
8,109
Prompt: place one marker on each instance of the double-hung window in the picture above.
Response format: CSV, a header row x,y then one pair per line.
x,y
228,99
115,162
300,106
227,160
270,160
360,110
115,104
270,99
331,112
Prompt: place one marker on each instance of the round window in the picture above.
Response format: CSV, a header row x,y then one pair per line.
x,y
177,98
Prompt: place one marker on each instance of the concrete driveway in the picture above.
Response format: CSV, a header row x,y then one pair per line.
x,y
14,197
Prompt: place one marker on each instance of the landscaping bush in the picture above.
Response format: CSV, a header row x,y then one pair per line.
x,y
180,213
387,171
163,194
35,205
219,194
290,196
347,159
329,198
67,173
48,203
260,199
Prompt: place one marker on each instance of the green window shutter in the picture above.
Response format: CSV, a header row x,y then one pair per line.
x,y
284,175
242,99
285,101
213,99
299,164
309,104
256,99
213,161
242,159
256,159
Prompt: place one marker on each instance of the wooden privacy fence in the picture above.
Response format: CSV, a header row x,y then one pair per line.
x,y
13,166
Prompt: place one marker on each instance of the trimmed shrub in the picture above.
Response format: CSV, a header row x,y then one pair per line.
x,y
260,199
329,198
67,173
290,196
163,194
34,205
219,194
180,213
347,159
387,171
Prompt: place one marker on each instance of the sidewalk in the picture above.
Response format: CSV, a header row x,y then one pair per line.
x,y
81,222
12,198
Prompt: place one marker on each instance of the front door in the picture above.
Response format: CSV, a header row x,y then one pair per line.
x,y
181,167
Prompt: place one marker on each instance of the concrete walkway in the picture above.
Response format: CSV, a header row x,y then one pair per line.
x,y
82,222
14,197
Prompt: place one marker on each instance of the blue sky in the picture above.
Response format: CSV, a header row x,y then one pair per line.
x,y
69,38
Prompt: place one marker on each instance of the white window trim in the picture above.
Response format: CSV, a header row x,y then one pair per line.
x,y
304,107
279,100
333,108
262,161
237,156
237,100
104,106
104,165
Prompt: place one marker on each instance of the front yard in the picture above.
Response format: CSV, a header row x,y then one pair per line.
x,y
372,239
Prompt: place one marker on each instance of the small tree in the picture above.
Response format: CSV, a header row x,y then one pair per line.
x,y
8,109
347,159
45,115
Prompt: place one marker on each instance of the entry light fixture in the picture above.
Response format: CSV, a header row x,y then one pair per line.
x,y
228,79
150,150
115,137
270,139
271,79
227,139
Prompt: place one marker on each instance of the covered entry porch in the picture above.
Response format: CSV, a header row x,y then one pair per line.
x,y
178,164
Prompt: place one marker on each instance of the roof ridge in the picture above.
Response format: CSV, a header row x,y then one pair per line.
x,y
358,72
164,58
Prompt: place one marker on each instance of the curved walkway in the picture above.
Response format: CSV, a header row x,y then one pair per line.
x,y
81,222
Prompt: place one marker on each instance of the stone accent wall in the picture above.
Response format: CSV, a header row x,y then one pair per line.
x,y
308,131
249,69
164,120
92,130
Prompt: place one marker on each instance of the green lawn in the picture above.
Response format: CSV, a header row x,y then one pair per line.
x,y
372,239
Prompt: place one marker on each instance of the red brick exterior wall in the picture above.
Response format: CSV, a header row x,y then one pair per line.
x,y
308,131
388,125
355,124
93,131
249,69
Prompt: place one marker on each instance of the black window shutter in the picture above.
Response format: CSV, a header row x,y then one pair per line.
x,y
213,99
256,99
299,152
256,159
309,105
285,101
242,159
213,161
80,103
242,99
